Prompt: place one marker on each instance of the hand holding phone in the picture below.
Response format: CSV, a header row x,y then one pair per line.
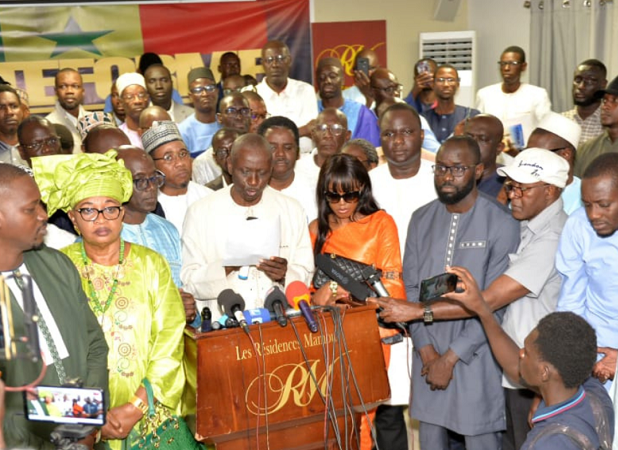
x,y
436,287
65,405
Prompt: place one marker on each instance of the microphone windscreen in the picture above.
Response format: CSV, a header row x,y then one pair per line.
x,y
227,299
296,292
272,296
257,315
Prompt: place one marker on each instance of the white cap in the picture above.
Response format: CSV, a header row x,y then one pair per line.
x,y
536,164
567,129
128,79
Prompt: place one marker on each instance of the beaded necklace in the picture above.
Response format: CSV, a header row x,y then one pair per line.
x,y
87,271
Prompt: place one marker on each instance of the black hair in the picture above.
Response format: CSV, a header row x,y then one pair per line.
x,y
469,142
515,49
280,122
347,173
33,119
8,88
147,60
569,343
603,165
400,107
221,131
596,64
9,173
367,147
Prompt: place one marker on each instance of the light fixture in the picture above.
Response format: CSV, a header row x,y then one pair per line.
x,y
541,5
527,4
567,3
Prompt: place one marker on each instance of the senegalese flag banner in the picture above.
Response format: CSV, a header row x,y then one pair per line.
x,y
106,40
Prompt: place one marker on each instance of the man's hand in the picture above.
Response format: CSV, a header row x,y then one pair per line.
x,y
605,368
471,297
363,83
424,80
307,129
394,310
428,354
275,268
440,371
189,303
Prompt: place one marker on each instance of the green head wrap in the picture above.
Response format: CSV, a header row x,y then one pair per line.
x,y
66,180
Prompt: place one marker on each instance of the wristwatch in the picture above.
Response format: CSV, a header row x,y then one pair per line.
x,y
428,314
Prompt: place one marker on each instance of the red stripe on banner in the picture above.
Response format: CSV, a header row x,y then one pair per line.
x,y
203,28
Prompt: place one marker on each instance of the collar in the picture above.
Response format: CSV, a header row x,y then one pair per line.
x,y
544,217
547,412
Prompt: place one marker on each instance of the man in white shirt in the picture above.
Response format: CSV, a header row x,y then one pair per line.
x,y
282,135
134,98
214,224
164,143
519,106
286,96
69,89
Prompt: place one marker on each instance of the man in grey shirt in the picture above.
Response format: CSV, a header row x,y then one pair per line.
x,y
465,228
535,180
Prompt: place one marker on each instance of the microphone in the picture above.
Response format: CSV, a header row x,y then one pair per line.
x,y
372,278
206,319
257,315
233,305
274,303
297,295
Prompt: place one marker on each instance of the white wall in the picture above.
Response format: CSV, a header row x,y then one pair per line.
x,y
498,24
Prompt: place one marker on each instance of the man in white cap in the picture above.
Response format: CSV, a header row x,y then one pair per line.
x,y
134,99
531,284
586,260
561,135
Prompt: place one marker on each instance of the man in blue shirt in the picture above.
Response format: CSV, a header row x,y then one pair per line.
x,y
556,361
586,255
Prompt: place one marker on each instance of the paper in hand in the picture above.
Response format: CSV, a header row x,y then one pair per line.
x,y
249,241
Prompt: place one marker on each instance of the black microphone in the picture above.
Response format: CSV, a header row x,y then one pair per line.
x,y
206,319
233,305
372,277
275,299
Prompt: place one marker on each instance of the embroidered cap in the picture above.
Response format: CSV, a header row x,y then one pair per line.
x,y
128,79
536,164
567,129
160,133
90,120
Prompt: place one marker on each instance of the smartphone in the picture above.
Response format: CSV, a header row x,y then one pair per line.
x,y
362,64
423,66
66,405
437,286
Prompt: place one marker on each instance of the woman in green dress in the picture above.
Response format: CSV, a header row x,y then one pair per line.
x,y
130,287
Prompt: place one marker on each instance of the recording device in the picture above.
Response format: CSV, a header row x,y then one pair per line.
x,y
275,301
29,342
257,315
206,320
297,295
423,66
66,405
233,305
362,64
437,286
372,277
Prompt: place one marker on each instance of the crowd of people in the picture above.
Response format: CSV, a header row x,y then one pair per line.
x,y
157,207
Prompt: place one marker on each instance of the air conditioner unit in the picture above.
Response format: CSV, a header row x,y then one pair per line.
x,y
457,48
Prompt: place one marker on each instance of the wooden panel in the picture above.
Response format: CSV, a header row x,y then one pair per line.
x,y
242,382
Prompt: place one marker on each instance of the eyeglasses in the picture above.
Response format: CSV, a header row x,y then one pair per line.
x,y
141,184
92,214
38,145
244,112
209,88
442,80
348,197
256,116
130,97
271,59
509,63
390,89
519,191
335,129
169,157
455,171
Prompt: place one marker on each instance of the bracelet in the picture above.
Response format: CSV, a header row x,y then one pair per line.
x,y
139,404
333,288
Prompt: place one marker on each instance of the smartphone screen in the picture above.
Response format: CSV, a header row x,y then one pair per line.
x,y
362,64
437,286
66,405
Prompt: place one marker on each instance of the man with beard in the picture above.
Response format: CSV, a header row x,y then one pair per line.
x,y
445,114
165,145
588,247
160,87
11,115
142,226
530,285
362,123
282,135
466,228
134,99
69,89
71,340
590,77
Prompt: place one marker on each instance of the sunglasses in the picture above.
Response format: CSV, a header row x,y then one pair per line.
x,y
348,197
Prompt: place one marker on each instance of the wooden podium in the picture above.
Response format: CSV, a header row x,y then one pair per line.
x,y
261,393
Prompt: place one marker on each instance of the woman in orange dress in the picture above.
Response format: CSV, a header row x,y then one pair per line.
x,y
351,224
